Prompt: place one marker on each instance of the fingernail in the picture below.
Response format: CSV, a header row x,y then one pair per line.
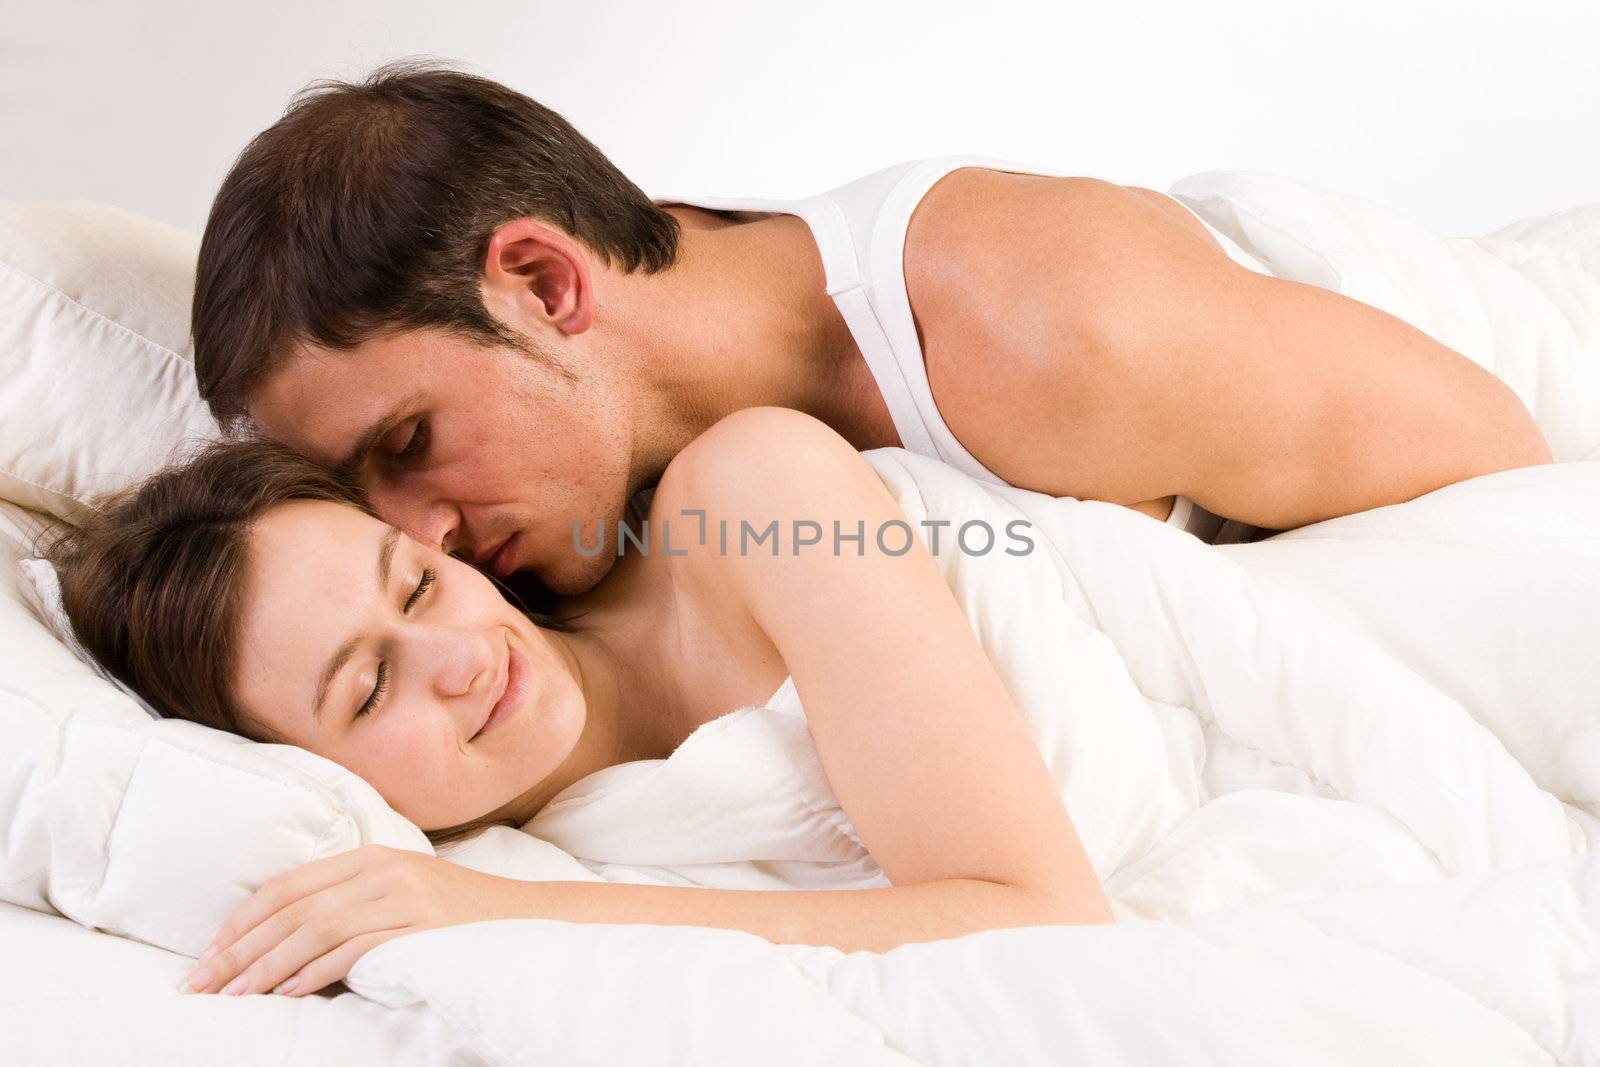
x,y
288,985
205,956
198,979
235,987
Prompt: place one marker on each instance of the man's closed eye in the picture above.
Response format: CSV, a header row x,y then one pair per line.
x,y
416,444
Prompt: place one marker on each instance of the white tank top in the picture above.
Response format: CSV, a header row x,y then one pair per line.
x,y
860,231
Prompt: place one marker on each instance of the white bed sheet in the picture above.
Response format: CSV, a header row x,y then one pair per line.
x,y
71,997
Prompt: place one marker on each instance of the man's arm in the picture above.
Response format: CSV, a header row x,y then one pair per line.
x,y
1089,340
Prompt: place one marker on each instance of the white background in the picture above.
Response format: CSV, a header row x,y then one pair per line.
x,y
1464,115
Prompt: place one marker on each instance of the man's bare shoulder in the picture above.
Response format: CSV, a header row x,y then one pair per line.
x,y
1011,278
976,215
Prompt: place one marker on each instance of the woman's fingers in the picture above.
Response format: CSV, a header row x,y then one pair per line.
x,y
324,941
316,938
333,966
323,912
281,892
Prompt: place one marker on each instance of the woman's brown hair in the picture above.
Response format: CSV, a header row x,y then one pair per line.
x,y
152,583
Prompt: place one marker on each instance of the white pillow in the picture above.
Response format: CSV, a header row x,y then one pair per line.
x,y
152,828
156,829
96,373
41,590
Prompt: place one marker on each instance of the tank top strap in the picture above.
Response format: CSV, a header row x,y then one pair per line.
x,y
880,207
860,233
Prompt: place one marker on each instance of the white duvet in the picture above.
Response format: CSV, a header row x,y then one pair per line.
x,y
1342,786
1222,740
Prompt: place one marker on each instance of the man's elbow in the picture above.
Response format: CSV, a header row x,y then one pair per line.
x,y
1080,902
1490,431
1465,425
1409,454
1507,437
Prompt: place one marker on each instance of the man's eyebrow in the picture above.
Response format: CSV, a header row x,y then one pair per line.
x,y
336,664
370,438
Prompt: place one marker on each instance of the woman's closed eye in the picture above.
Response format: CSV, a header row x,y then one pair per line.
x,y
381,684
422,587
379,688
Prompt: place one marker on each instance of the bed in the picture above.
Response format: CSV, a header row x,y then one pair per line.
x,y
1343,785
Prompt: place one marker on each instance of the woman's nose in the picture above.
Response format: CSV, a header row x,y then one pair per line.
x,y
459,661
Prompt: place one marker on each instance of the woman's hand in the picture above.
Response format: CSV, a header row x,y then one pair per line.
x,y
305,929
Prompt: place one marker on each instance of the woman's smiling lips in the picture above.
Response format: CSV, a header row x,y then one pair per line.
x,y
510,696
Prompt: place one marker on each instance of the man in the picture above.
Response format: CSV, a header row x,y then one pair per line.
x,y
439,285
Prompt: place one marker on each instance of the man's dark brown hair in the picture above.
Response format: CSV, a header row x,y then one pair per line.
x,y
369,206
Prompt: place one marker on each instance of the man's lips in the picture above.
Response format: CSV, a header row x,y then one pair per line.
x,y
505,560
511,691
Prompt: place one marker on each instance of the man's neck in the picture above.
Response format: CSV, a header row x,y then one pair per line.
x,y
743,319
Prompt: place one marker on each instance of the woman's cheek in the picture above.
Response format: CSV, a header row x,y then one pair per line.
x,y
409,772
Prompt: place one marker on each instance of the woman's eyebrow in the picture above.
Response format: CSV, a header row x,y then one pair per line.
x,y
386,556
386,547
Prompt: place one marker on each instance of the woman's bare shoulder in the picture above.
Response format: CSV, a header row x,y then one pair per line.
x,y
760,490
752,456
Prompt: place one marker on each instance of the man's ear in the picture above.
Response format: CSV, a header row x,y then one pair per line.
x,y
536,272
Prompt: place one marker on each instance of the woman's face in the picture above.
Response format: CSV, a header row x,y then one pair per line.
x,y
389,658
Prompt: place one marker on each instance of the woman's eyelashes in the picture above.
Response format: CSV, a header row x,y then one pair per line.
x,y
381,685
422,587
378,690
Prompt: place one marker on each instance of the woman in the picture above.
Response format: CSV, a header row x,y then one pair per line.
x,y
252,592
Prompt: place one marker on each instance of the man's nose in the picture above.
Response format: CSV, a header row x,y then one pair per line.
x,y
443,528
432,523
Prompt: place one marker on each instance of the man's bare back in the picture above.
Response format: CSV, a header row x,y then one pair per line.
x,y
1088,339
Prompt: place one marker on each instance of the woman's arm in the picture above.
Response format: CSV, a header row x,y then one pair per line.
x,y
305,929
919,738
852,920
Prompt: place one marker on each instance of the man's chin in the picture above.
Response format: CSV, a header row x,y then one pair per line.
x,y
545,587
528,590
